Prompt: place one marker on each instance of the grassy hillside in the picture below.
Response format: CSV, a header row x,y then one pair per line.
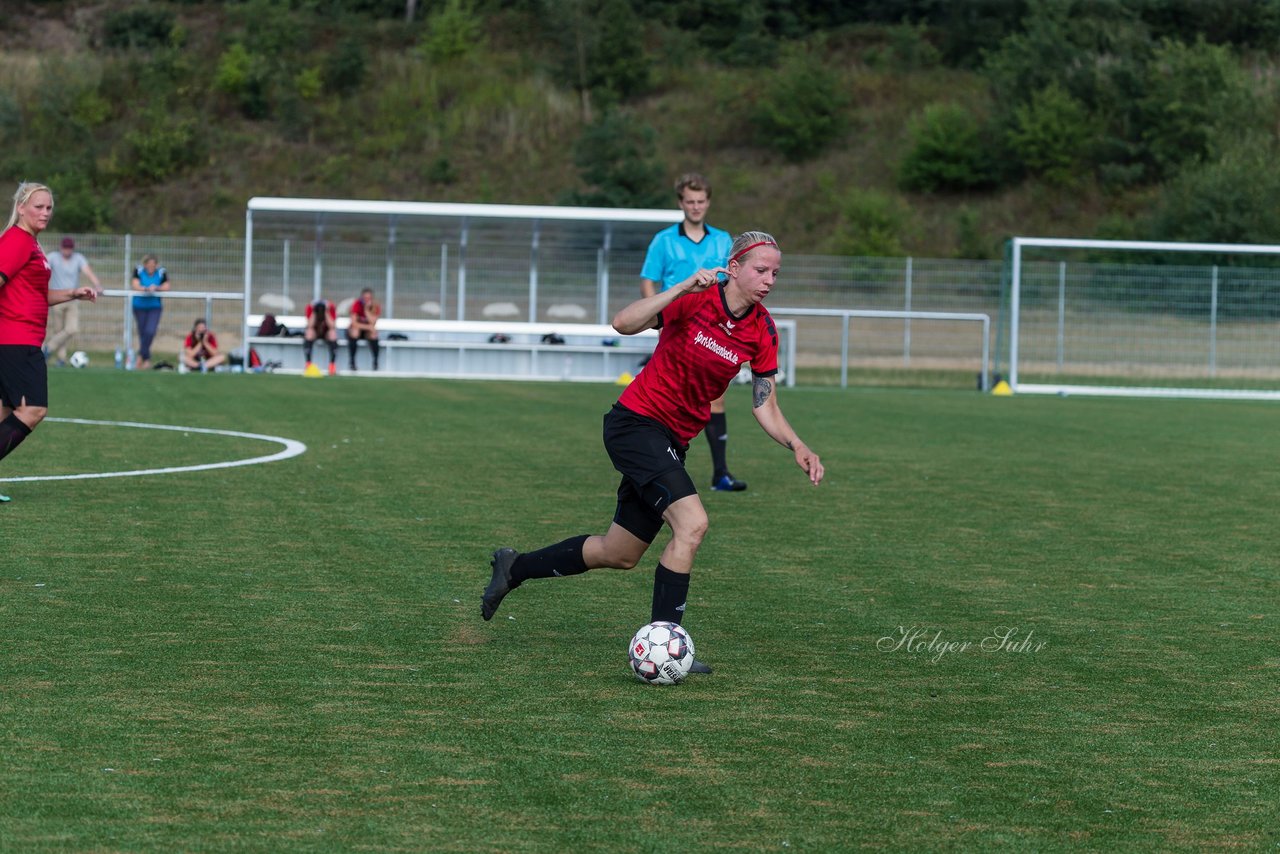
x,y
167,117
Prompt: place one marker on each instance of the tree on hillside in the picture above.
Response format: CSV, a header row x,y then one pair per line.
x,y
616,158
600,50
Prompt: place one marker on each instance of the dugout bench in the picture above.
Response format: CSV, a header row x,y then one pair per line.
x,y
474,349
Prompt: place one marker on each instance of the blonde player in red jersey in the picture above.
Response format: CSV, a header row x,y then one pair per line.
x,y
25,298
708,330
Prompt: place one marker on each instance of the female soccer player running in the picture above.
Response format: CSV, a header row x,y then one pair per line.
x,y
708,329
24,314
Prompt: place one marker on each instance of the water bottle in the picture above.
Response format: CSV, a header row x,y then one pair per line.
x,y
128,362
119,358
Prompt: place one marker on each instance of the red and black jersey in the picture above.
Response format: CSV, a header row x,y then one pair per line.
x,y
368,313
206,349
24,298
700,349
330,311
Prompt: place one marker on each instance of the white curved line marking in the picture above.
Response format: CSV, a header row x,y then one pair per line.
x,y
292,448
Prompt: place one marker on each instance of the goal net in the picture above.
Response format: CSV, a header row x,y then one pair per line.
x,y
1143,318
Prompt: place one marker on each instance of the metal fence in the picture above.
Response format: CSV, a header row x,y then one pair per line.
x,y
572,281
1077,318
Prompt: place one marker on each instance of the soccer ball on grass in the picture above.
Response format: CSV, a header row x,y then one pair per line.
x,y
661,653
79,359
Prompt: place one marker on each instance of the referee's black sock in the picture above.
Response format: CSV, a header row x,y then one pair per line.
x,y
564,558
717,433
670,590
12,432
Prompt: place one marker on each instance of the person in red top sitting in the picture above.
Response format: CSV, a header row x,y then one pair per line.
x,y
365,312
709,329
322,322
200,349
25,298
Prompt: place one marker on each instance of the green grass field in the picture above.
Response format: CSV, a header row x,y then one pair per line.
x,y
290,656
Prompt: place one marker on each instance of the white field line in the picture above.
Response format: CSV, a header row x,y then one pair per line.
x,y
292,448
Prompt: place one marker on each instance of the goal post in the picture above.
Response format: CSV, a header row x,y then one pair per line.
x,y
1143,318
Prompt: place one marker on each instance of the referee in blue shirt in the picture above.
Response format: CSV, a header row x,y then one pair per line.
x,y
675,254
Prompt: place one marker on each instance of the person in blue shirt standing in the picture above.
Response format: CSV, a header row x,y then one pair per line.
x,y
675,254
149,279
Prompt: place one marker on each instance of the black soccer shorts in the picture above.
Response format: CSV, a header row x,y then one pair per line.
x,y
24,376
651,461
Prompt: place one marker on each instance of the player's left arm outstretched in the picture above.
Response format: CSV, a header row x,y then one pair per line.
x,y
58,296
764,406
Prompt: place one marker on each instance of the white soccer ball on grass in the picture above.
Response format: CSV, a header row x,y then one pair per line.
x,y
79,359
661,653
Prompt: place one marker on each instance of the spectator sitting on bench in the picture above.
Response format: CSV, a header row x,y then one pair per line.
x,y
365,312
322,322
200,349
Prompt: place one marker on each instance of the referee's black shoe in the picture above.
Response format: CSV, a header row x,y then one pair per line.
x,y
499,583
727,483
699,667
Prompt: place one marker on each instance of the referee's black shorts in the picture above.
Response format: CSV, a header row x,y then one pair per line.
x,y
651,461
24,376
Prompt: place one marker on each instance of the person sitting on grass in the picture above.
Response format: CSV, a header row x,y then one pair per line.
x,y
200,349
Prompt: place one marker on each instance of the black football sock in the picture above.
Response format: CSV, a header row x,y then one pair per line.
x,y
353,342
12,432
670,590
333,352
373,346
717,433
306,349
564,558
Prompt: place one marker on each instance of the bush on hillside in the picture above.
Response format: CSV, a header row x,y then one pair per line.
x,y
83,203
1083,47
455,30
971,241
802,108
244,77
137,27
344,68
162,147
1051,135
871,224
949,150
599,48
1231,199
1194,96
616,158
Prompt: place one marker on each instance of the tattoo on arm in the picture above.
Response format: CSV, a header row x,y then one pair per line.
x,y
762,393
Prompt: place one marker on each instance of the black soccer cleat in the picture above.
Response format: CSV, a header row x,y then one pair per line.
x,y
699,667
728,483
499,583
